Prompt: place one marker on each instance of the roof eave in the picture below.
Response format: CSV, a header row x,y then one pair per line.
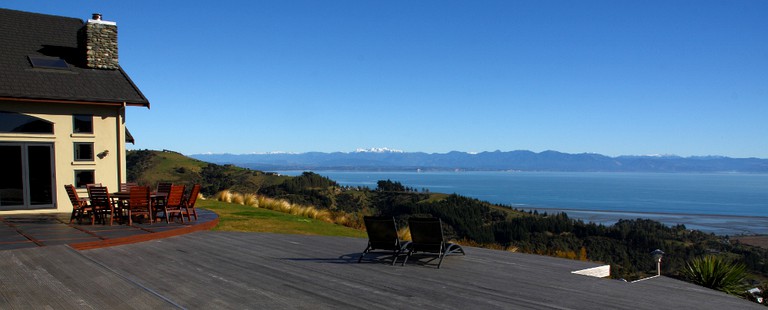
x,y
105,103
138,91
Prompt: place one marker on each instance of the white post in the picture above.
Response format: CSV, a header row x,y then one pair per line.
x,y
658,267
657,254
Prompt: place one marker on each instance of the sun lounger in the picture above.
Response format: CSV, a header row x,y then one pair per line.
x,y
427,236
382,235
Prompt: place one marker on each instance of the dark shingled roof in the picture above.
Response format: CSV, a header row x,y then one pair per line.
x,y
24,34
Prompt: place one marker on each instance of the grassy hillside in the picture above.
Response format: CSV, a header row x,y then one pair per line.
x,y
235,217
149,167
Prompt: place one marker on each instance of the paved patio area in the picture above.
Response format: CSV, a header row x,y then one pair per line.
x,y
37,230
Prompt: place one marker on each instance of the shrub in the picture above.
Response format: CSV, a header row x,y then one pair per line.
x,y
284,206
717,273
236,198
250,200
225,196
404,233
324,215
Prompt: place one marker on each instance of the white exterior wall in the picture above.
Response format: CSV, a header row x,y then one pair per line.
x,y
108,135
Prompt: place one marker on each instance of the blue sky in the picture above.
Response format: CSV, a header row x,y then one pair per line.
x,y
609,77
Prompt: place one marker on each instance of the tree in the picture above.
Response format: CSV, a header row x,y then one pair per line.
x,y
390,186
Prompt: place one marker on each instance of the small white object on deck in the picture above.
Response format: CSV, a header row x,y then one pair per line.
x,y
597,272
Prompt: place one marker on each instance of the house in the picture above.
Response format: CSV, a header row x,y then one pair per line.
x,y
63,98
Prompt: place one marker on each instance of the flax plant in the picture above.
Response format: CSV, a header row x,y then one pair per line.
x,y
717,273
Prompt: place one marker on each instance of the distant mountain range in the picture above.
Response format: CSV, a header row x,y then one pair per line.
x,y
395,160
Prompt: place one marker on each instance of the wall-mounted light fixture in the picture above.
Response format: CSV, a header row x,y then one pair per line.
x,y
103,154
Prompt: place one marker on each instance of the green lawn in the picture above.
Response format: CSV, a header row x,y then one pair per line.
x,y
234,217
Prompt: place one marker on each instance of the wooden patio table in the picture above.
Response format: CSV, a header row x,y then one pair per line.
x,y
125,196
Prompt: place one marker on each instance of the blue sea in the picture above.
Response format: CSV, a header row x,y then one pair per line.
x,y
721,203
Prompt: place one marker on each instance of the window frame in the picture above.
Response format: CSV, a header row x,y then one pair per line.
x,y
78,180
82,119
34,182
77,154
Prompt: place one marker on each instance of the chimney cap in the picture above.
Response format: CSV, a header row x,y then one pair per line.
x,y
96,19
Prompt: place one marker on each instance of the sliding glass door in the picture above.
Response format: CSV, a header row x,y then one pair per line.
x,y
12,178
27,178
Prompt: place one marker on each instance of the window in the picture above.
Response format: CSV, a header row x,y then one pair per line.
x,y
83,151
84,177
82,123
48,62
20,123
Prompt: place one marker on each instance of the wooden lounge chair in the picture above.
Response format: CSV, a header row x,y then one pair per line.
x,y
173,203
427,235
189,203
382,235
80,206
102,204
139,203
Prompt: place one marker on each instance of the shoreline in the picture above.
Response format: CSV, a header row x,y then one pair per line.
x,y
671,200
723,225
566,210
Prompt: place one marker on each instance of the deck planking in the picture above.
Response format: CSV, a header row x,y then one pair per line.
x,y
230,270
261,270
59,277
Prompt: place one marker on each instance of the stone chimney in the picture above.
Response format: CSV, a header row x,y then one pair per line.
x,y
100,43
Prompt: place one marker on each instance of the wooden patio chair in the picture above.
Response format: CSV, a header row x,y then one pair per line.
x,y
163,188
124,187
173,203
139,204
427,236
80,206
189,203
382,235
102,204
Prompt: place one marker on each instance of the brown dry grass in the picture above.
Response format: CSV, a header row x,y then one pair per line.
x,y
758,241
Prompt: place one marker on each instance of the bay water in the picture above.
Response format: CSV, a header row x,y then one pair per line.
x,y
721,203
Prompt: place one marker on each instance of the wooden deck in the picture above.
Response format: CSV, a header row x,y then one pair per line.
x,y
228,270
37,230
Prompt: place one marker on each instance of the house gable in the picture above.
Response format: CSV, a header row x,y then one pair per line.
x,y
28,37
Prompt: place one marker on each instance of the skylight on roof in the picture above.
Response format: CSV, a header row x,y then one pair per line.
x,y
48,62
